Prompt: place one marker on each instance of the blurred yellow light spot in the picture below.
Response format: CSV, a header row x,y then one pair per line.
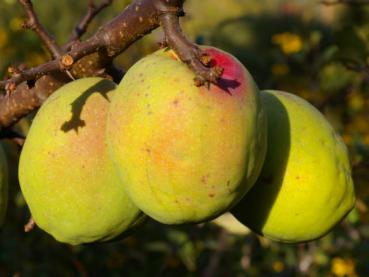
x,y
15,24
289,43
356,102
278,266
280,69
3,38
343,267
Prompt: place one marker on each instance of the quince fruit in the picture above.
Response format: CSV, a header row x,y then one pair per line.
x,y
65,173
186,153
305,187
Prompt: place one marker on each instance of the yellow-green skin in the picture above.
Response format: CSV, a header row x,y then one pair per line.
x,y
184,150
65,173
305,187
3,184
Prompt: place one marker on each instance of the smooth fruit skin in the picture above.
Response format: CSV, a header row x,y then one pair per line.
x,y
184,150
305,187
65,173
4,179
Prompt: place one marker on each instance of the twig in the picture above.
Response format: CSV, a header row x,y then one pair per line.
x,y
27,89
30,225
81,28
111,39
35,25
213,265
356,66
87,58
60,64
187,51
77,263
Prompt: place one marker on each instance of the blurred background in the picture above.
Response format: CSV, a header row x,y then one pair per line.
x,y
316,51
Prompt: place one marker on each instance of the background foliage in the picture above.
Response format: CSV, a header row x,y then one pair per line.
x,y
315,51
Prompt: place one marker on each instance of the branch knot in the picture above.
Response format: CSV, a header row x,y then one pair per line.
x,y
66,61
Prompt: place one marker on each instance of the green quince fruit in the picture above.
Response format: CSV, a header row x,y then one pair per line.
x,y
305,187
65,173
187,153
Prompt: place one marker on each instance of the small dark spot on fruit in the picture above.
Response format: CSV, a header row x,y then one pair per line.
x,y
211,194
204,179
175,102
297,177
228,183
148,151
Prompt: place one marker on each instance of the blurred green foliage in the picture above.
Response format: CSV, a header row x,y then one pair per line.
x,y
315,51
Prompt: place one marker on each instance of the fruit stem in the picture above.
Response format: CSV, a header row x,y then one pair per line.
x,y
187,51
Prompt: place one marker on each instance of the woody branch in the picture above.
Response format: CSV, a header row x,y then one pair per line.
x,y
27,89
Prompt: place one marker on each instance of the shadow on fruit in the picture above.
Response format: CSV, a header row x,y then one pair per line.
x,y
268,181
76,122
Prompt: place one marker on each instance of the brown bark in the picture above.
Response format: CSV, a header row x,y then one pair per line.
x,y
27,89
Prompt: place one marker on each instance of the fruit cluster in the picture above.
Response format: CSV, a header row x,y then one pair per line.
x,y
100,157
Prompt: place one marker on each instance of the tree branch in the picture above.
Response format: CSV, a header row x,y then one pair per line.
x,y
88,58
34,24
27,89
27,98
188,52
110,40
81,28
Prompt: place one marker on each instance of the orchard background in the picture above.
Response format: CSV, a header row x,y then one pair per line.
x,y
316,50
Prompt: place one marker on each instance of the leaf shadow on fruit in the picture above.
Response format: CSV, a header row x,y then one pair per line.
x,y
77,106
227,85
254,208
